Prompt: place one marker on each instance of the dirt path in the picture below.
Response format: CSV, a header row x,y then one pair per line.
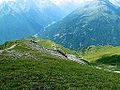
x,y
8,48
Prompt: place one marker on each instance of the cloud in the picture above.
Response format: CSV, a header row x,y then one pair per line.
x,y
1,1
61,2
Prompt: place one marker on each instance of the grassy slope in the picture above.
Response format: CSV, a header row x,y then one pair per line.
x,y
51,45
50,73
93,53
54,74
110,60
44,43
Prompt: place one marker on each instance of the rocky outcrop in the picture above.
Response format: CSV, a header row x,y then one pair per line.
x,y
56,53
35,47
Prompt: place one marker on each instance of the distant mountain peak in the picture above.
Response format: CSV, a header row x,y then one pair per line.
x,y
15,6
21,18
93,23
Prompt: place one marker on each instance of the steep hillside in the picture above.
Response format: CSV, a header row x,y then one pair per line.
x,y
93,23
32,63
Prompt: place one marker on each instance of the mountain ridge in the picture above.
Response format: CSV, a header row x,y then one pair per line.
x,y
88,25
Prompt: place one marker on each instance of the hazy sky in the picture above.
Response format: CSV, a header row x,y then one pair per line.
x,y
61,2
58,2
5,0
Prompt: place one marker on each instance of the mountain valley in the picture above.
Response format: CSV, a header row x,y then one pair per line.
x,y
59,44
93,23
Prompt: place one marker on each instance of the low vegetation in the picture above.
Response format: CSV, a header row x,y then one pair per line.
x,y
50,45
110,60
25,68
50,73
94,53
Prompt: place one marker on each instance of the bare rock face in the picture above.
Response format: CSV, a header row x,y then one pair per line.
x,y
74,58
